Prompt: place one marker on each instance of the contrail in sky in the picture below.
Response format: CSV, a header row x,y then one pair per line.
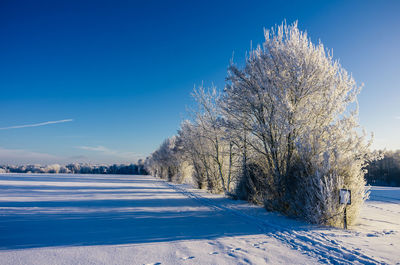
x,y
36,124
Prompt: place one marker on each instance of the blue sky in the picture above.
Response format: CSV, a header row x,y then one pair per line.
x,y
116,76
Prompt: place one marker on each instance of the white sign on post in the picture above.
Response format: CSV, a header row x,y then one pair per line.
x,y
345,196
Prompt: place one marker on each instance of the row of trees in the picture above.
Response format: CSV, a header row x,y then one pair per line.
x,y
282,133
131,169
385,172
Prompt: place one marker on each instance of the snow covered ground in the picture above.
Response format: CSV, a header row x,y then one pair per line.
x,y
115,219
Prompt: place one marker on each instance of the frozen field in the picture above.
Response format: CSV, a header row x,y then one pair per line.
x,y
115,219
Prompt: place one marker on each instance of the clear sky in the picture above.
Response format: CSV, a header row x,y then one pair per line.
x,y
107,81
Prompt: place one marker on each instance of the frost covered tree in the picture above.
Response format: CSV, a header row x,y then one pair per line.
x,y
203,149
164,162
283,133
300,110
208,122
193,151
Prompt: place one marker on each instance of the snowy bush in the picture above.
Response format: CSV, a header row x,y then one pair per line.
x,y
55,168
252,185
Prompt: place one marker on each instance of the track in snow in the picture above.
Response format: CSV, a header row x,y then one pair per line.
x,y
314,244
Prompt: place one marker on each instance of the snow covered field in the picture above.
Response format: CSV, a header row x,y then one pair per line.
x,y
118,219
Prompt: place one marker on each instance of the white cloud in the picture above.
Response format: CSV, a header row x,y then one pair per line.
x,y
96,149
109,152
20,156
36,124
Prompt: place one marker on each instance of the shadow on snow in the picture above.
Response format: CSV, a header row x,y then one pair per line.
x,y
73,218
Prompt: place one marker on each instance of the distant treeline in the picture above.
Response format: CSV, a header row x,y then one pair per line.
x,y
385,172
131,169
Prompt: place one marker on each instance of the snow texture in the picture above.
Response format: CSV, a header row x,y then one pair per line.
x,y
120,219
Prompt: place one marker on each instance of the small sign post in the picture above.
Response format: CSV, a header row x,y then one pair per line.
x,y
345,198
